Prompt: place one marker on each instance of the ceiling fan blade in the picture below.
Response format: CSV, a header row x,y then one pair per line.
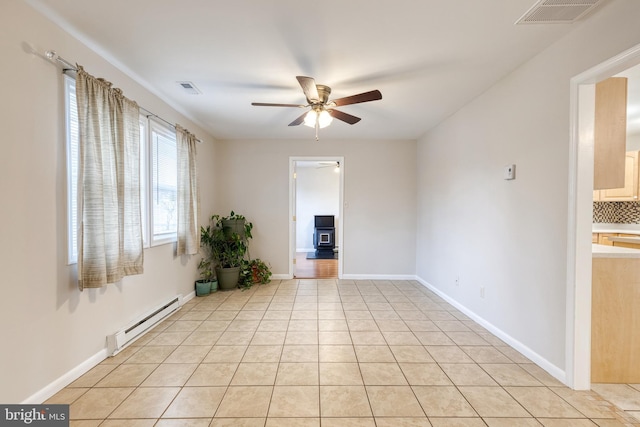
x,y
309,88
373,95
299,120
267,104
347,118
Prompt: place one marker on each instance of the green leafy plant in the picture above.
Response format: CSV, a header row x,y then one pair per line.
x,y
254,271
205,268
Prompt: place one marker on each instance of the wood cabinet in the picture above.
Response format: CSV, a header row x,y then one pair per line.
x,y
610,133
629,192
615,341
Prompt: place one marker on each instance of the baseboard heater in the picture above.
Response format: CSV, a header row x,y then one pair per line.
x,y
121,339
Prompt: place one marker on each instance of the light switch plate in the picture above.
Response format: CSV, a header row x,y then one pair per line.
x,y
510,172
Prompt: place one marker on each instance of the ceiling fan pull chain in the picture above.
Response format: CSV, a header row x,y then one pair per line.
x,y
317,127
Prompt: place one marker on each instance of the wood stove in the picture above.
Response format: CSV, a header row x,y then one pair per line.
x,y
324,236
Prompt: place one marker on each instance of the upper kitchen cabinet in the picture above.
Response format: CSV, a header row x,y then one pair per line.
x,y
629,192
610,134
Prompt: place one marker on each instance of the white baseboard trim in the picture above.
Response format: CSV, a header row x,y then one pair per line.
x,y
281,277
66,379
552,369
191,295
379,277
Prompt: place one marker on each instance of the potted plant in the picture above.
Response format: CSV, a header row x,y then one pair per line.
x,y
207,275
227,248
254,271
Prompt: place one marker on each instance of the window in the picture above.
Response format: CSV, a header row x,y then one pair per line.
x,y
158,177
163,218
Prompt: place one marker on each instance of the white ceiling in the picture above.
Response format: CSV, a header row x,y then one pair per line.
x,y
427,57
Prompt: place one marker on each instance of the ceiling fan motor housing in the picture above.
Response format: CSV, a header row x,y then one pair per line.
x,y
323,92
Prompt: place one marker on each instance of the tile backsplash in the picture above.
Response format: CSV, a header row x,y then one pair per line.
x,y
616,212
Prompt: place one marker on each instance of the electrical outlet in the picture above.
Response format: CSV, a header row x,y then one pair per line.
x,y
457,280
481,291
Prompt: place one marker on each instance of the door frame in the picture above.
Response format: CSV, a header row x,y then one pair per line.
x,y
292,208
580,212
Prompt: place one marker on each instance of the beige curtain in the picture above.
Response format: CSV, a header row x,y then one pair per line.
x,y
188,197
110,229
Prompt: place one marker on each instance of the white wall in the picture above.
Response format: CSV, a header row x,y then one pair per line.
x,y
510,236
379,211
318,193
49,327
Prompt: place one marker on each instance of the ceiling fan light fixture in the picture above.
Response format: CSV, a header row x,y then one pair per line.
x,y
323,118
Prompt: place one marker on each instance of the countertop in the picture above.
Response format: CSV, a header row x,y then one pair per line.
x,y
616,228
604,251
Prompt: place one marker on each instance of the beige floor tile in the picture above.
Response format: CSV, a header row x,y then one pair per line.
x,y
66,396
132,423
299,353
269,338
510,375
340,374
301,338
348,422
374,353
434,339
170,375
170,338
273,325
151,354
354,306
225,353
202,338
485,354
184,325
237,422
367,338
589,403
400,338
448,354
213,326
467,374
512,422
235,338
331,315
295,401
344,401
337,353
409,315
263,353
255,374
361,325
392,325
332,325
541,375
212,374
542,402
393,401
245,402
93,376
492,402
334,337
293,422
127,375
402,422
85,423
303,325
363,314
146,402
386,316
421,325
277,315
221,314
513,354
297,374
189,354
443,401
439,314
195,402
551,422
98,403
411,354
451,326
621,395
457,422
424,374
382,374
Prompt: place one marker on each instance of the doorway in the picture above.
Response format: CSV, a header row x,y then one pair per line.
x,y
579,252
316,189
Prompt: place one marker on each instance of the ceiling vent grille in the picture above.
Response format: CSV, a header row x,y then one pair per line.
x,y
557,11
189,88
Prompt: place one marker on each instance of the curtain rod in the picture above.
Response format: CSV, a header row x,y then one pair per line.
x,y
69,67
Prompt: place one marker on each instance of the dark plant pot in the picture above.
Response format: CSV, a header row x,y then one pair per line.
x,y
228,278
230,226
202,288
214,285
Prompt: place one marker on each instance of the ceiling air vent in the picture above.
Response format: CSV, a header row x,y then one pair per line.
x,y
190,88
557,11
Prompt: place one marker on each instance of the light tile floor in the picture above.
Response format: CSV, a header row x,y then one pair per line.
x,y
330,353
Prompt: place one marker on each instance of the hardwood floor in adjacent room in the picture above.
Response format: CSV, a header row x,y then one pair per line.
x,y
315,268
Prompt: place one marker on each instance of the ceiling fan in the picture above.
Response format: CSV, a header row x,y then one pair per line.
x,y
322,110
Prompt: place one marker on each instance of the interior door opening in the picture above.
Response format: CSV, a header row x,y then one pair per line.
x,y
316,217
